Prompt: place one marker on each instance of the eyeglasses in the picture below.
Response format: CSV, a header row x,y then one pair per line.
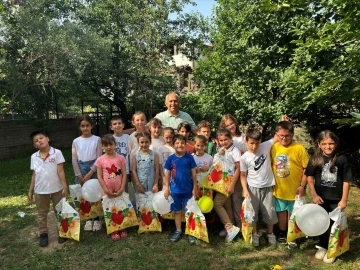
x,y
284,136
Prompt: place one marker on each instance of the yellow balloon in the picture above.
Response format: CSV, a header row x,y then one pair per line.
x,y
277,267
205,204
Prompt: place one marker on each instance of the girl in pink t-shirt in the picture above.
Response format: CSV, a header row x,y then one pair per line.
x,y
111,171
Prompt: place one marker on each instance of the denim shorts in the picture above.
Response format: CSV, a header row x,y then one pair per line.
x,y
180,200
284,205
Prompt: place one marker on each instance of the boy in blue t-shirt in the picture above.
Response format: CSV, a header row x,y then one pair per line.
x,y
181,168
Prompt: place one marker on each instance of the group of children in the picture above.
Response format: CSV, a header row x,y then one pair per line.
x,y
270,173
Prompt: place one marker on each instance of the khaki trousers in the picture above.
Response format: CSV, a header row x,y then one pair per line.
x,y
222,206
43,206
236,200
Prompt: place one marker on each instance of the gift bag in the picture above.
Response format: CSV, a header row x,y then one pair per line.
x,y
68,220
195,221
86,210
171,216
339,240
247,215
119,213
294,231
202,191
148,218
219,175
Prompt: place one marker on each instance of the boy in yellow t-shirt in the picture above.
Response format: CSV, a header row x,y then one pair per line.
x,y
289,160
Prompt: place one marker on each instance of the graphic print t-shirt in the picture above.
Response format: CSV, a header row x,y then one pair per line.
x,y
180,167
111,167
329,185
122,148
258,166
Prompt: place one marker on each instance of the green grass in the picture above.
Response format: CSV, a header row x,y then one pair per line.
x,y
19,241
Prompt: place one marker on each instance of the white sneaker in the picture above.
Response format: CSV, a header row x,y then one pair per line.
x,y
320,254
222,233
231,233
271,238
88,225
328,260
97,226
255,239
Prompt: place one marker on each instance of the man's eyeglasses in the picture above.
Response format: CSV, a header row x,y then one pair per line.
x,y
284,136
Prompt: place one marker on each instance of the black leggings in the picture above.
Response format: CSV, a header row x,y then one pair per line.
x,y
329,206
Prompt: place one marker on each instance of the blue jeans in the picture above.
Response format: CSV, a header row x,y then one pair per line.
x,y
85,168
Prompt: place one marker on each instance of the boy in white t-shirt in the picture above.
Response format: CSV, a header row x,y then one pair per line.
x,y
117,126
48,181
257,181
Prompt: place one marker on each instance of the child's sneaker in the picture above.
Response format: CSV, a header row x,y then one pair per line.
x,y
231,233
282,238
44,240
255,239
292,245
176,236
191,240
88,225
123,234
320,254
97,225
115,236
61,240
328,260
271,238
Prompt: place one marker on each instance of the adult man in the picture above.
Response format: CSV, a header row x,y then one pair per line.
x,y
172,117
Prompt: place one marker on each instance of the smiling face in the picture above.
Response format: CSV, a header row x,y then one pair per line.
x,y
139,122
327,146
199,147
168,137
117,126
284,136
40,141
172,103
85,128
155,131
224,141
144,143
179,146
231,126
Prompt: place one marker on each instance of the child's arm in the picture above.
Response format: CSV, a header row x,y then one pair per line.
x,y
244,184
123,180
136,180
61,174
316,198
301,189
74,161
231,187
93,167
345,194
157,173
194,178
167,187
102,182
31,188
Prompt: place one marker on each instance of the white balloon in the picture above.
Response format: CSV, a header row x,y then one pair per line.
x,y
160,204
91,190
312,219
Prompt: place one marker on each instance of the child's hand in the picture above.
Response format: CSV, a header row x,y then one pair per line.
x,y
342,204
166,193
284,117
230,189
81,179
86,178
300,191
317,199
198,169
204,168
119,192
221,151
109,193
246,194
155,188
140,188
65,192
31,196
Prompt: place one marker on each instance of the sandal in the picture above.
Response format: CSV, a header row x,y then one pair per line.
x,y
115,236
123,234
